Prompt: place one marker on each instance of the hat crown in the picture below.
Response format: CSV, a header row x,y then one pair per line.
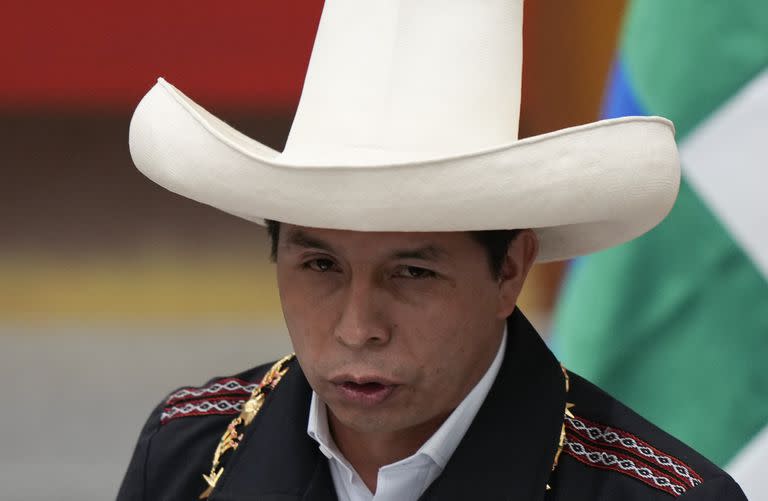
x,y
404,80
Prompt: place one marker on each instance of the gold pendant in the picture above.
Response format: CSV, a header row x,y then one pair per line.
x,y
211,479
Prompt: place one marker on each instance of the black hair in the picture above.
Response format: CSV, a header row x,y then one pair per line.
x,y
495,243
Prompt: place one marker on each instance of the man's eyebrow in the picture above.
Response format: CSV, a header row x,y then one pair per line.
x,y
302,239
429,252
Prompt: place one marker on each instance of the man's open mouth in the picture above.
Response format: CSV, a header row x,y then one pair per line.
x,y
367,388
367,393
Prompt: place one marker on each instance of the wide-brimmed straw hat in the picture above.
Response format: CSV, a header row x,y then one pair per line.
x,y
408,121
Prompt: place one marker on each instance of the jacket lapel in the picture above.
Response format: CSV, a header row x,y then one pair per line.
x,y
277,460
508,450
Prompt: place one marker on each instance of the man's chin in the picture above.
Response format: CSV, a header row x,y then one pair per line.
x,y
367,420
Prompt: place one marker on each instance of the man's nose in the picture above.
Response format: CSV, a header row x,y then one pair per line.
x,y
362,322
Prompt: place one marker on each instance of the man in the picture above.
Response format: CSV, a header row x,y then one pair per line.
x,y
415,376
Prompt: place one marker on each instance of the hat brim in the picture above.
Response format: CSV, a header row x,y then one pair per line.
x,y
581,189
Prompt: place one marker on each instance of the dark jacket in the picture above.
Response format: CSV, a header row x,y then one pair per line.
x,y
608,451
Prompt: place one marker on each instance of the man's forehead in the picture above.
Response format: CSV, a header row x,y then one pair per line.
x,y
429,245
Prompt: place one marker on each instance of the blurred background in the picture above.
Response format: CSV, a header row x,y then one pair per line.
x,y
114,291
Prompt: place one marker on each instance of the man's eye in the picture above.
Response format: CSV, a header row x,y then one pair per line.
x,y
414,272
319,265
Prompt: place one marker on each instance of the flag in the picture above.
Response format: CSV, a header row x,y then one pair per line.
x,y
675,323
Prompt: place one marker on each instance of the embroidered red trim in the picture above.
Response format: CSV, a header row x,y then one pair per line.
x,y
605,447
622,463
620,439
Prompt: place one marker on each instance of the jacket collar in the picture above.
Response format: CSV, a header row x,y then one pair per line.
x,y
508,448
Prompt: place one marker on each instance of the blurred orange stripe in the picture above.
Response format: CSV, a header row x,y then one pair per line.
x,y
165,287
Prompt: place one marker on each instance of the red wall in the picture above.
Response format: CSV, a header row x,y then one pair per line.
x,y
89,54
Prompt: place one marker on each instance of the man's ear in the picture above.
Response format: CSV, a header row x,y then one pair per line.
x,y
521,254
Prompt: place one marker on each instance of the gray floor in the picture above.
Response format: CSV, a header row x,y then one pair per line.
x,y
74,398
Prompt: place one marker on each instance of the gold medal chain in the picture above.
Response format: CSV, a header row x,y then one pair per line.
x,y
233,436
566,413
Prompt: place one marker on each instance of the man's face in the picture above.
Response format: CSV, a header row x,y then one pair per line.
x,y
394,329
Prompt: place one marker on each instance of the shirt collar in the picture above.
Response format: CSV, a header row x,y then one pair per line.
x,y
441,445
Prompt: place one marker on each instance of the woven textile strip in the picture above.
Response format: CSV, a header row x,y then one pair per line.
x,y
219,387
604,447
202,407
221,396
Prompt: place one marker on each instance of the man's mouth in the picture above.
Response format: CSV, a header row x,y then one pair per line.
x,y
367,393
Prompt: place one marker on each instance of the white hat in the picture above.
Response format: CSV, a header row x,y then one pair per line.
x,y
408,121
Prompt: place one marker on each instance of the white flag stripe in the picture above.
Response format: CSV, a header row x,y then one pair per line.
x,y
749,467
725,160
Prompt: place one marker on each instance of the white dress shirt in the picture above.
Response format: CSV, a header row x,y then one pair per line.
x,y
407,479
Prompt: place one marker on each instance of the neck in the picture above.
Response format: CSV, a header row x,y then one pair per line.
x,y
369,451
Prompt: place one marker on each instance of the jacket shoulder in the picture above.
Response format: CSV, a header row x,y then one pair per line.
x,y
611,452
218,396
176,444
